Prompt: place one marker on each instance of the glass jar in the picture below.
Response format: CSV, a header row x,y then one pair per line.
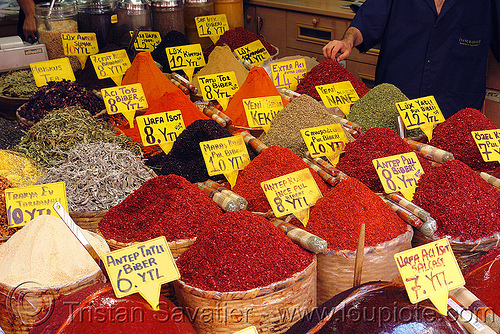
x,y
51,23
192,9
168,15
98,16
233,10
132,14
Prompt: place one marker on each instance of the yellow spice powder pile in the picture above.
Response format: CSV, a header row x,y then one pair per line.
x,y
18,169
45,251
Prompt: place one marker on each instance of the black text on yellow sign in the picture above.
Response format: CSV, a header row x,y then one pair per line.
x,y
161,128
418,112
52,70
399,173
287,74
211,25
218,86
26,203
111,65
142,268
430,271
337,94
255,53
124,98
75,44
324,140
184,56
488,143
146,40
225,155
260,111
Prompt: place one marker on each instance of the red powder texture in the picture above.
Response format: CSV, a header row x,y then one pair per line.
x,y
241,251
327,72
454,135
257,84
238,37
375,143
273,162
338,215
177,100
165,205
464,205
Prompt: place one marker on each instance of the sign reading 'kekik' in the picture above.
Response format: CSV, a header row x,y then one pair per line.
x,y
260,111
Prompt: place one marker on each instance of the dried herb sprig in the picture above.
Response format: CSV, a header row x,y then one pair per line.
x,y
18,84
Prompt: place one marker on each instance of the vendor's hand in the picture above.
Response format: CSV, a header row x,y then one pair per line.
x,y
29,29
344,47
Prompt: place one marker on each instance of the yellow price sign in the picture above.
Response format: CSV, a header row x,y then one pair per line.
x,y
186,58
125,99
430,271
488,143
225,156
26,203
80,45
219,86
52,70
327,140
146,40
420,113
142,268
287,74
399,173
161,129
338,94
248,330
111,65
292,193
260,111
211,26
255,53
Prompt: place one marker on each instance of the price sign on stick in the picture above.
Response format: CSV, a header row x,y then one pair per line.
x,y
161,129
212,26
80,45
26,203
220,87
260,111
125,99
225,156
430,271
421,113
327,140
255,53
111,65
338,94
292,193
146,40
52,70
142,268
287,74
186,58
488,143
399,173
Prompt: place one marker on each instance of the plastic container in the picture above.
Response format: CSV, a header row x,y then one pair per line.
x,y
233,10
167,16
50,25
98,16
192,9
132,14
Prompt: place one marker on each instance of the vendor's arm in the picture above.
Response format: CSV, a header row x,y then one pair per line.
x,y
29,25
352,37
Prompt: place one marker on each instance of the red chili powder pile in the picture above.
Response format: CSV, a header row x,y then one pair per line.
x,y
338,215
165,205
273,162
238,252
464,205
238,37
177,100
257,84
375,143
327,72
454,135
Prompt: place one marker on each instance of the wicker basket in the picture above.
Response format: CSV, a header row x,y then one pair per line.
x,y
9,105
88,220
466,252
336,268
271,309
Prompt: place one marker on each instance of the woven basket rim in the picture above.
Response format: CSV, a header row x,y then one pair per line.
x,y
377,248
87,213
177,242
255,292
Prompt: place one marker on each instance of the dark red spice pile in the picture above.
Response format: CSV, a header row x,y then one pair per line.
x,y
338,215
165,205
327,72
375,143
57,95
464,205
238,252
454,135
238,37
273,162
